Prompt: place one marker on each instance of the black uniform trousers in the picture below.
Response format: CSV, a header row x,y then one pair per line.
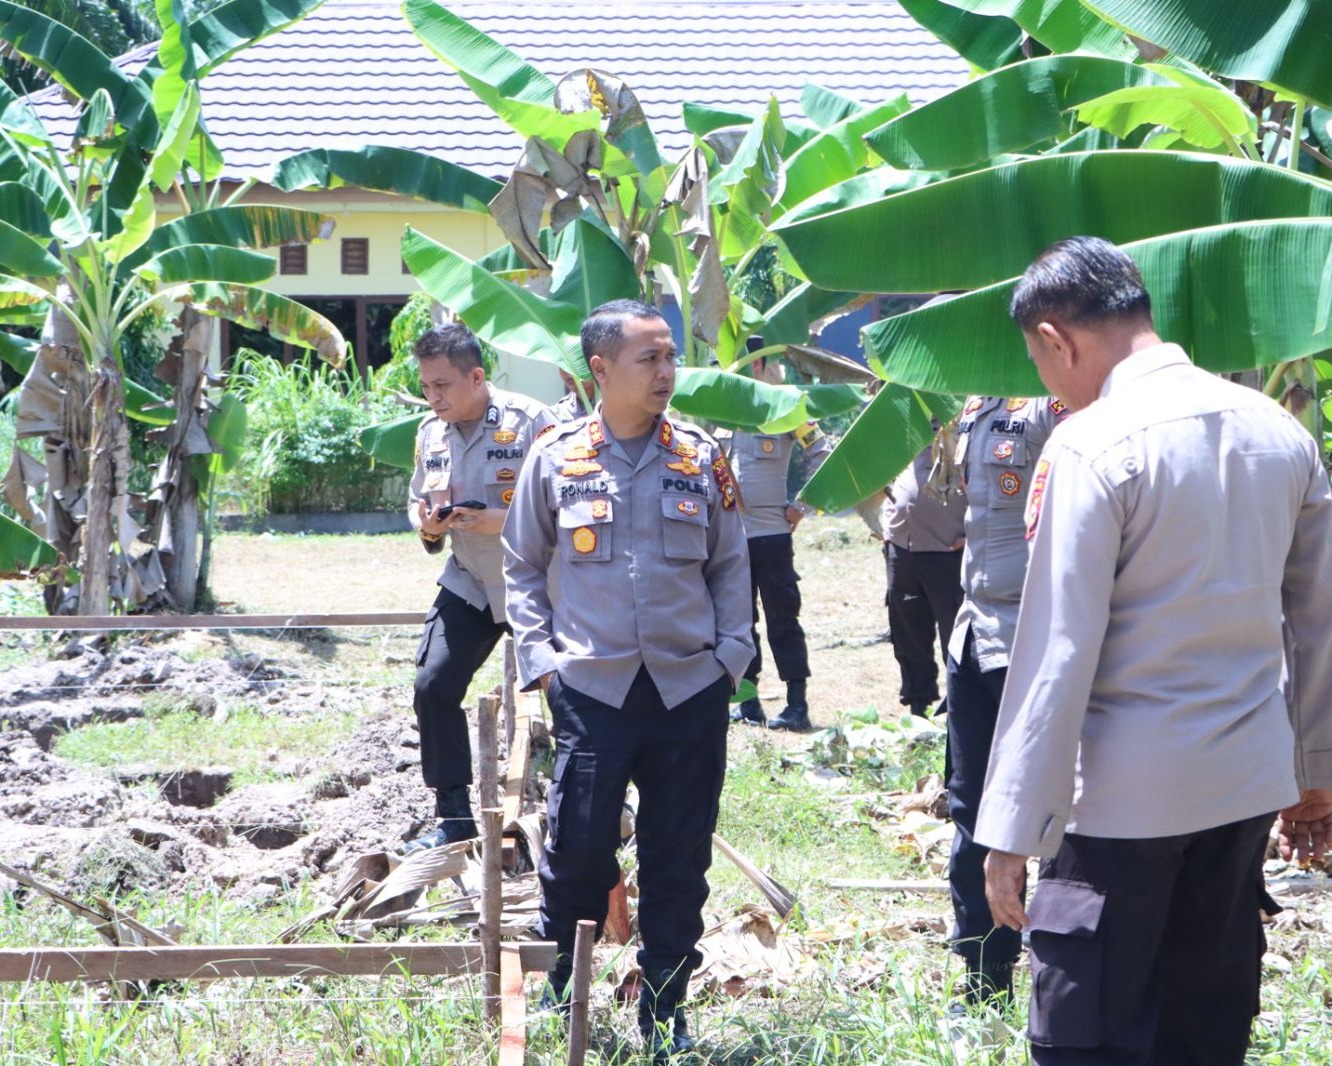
x,y
457,640
773,577
973,711
1148,952
677,758
924,594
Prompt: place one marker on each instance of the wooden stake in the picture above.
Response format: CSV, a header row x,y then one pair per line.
x,y
513,1011
580,986
492,889
510,694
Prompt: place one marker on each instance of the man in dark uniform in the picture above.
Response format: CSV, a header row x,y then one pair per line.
x,y
762,462
633,517
999,445
468,452
925,533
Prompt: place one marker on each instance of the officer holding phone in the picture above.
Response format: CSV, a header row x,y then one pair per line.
x,y
468,454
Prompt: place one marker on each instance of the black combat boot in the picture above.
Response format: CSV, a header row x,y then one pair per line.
x,y
455,821
555,996
988,982
920,708
750,710
795,715
661,1017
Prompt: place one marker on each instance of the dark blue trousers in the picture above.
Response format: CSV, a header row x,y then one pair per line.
x,y
456,642
677,758
924,595
773,579
973,710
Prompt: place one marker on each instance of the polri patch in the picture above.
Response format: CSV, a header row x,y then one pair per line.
x,y
506,497
504,436
768,446
687,467
601,510
1009,483
581,468
1003,450
1015,404
506,473
688,507
585,540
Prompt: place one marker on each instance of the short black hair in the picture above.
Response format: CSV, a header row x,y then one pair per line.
x,y
603,329
1080,280
454,342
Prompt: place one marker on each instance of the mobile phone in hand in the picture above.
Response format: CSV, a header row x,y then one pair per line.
x,y
442,513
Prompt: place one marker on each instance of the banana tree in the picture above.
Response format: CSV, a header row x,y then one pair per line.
x,y
84,241
1234,248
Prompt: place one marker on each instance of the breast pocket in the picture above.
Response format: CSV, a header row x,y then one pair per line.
x,y
1006,465
500,480
685,529
585,530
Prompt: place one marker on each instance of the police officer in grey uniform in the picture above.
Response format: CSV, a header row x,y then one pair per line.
x,y
570,405
999,444
761,462
633,518
922,547
469,452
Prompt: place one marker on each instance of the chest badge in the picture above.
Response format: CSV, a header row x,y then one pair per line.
x,y
579,451
504,436
1003,450
688,507
768,447
687,467
506,497
685,449
580,468
584,540
1015,404
1009,483
506,473
973,405
600,509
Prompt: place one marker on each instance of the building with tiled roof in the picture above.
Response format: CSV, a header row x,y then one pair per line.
x,y
353,73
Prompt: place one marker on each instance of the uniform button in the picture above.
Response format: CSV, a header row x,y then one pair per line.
x,y
1131,465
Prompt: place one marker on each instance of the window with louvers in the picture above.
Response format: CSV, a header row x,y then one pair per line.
x,y
293,259
355,255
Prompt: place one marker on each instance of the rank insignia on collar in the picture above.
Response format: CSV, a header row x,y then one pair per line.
x,y
1058,407
507,473
595,433
492,415
581,468
687,467
1003,450
688,507
504,436
768,446
600,509
685,449
584,540
547,429
666,434
1009,483
1015,404
506,497
579,451
973,405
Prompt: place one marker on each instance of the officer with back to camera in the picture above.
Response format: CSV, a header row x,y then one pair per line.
x,y
633,517
469,451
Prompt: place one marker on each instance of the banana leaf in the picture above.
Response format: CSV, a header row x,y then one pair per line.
x,y
1060,25
1006,110
590,267
248,226
1203,113
980,228
789,320
984,41
78,65
836,154
226,429
20,254
23,209
827,107
1284,42
502,314
393,442
208,262
702,119
18,120
748,185
386,169
255,308
737,401
22,552
880,444
1203,294
219,34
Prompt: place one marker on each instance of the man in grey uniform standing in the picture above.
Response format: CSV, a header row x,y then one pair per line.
x,y
1170,686
999,444
633,517
924,537
468,452
761,462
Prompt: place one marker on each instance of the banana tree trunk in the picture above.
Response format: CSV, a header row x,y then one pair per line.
x,y
101,557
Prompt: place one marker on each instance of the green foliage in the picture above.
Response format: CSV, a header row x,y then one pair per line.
x,y
304,424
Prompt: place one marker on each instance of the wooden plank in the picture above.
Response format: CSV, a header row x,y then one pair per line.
x,y
255,960
856,885
170,622
492,873
513,1009
520,756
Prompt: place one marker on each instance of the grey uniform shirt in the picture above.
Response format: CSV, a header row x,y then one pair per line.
x,y
917,520
481,463
613,564
761,462
568,407
999,443
1179,522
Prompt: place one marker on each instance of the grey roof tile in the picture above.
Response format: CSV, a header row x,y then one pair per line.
x,y
353,72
